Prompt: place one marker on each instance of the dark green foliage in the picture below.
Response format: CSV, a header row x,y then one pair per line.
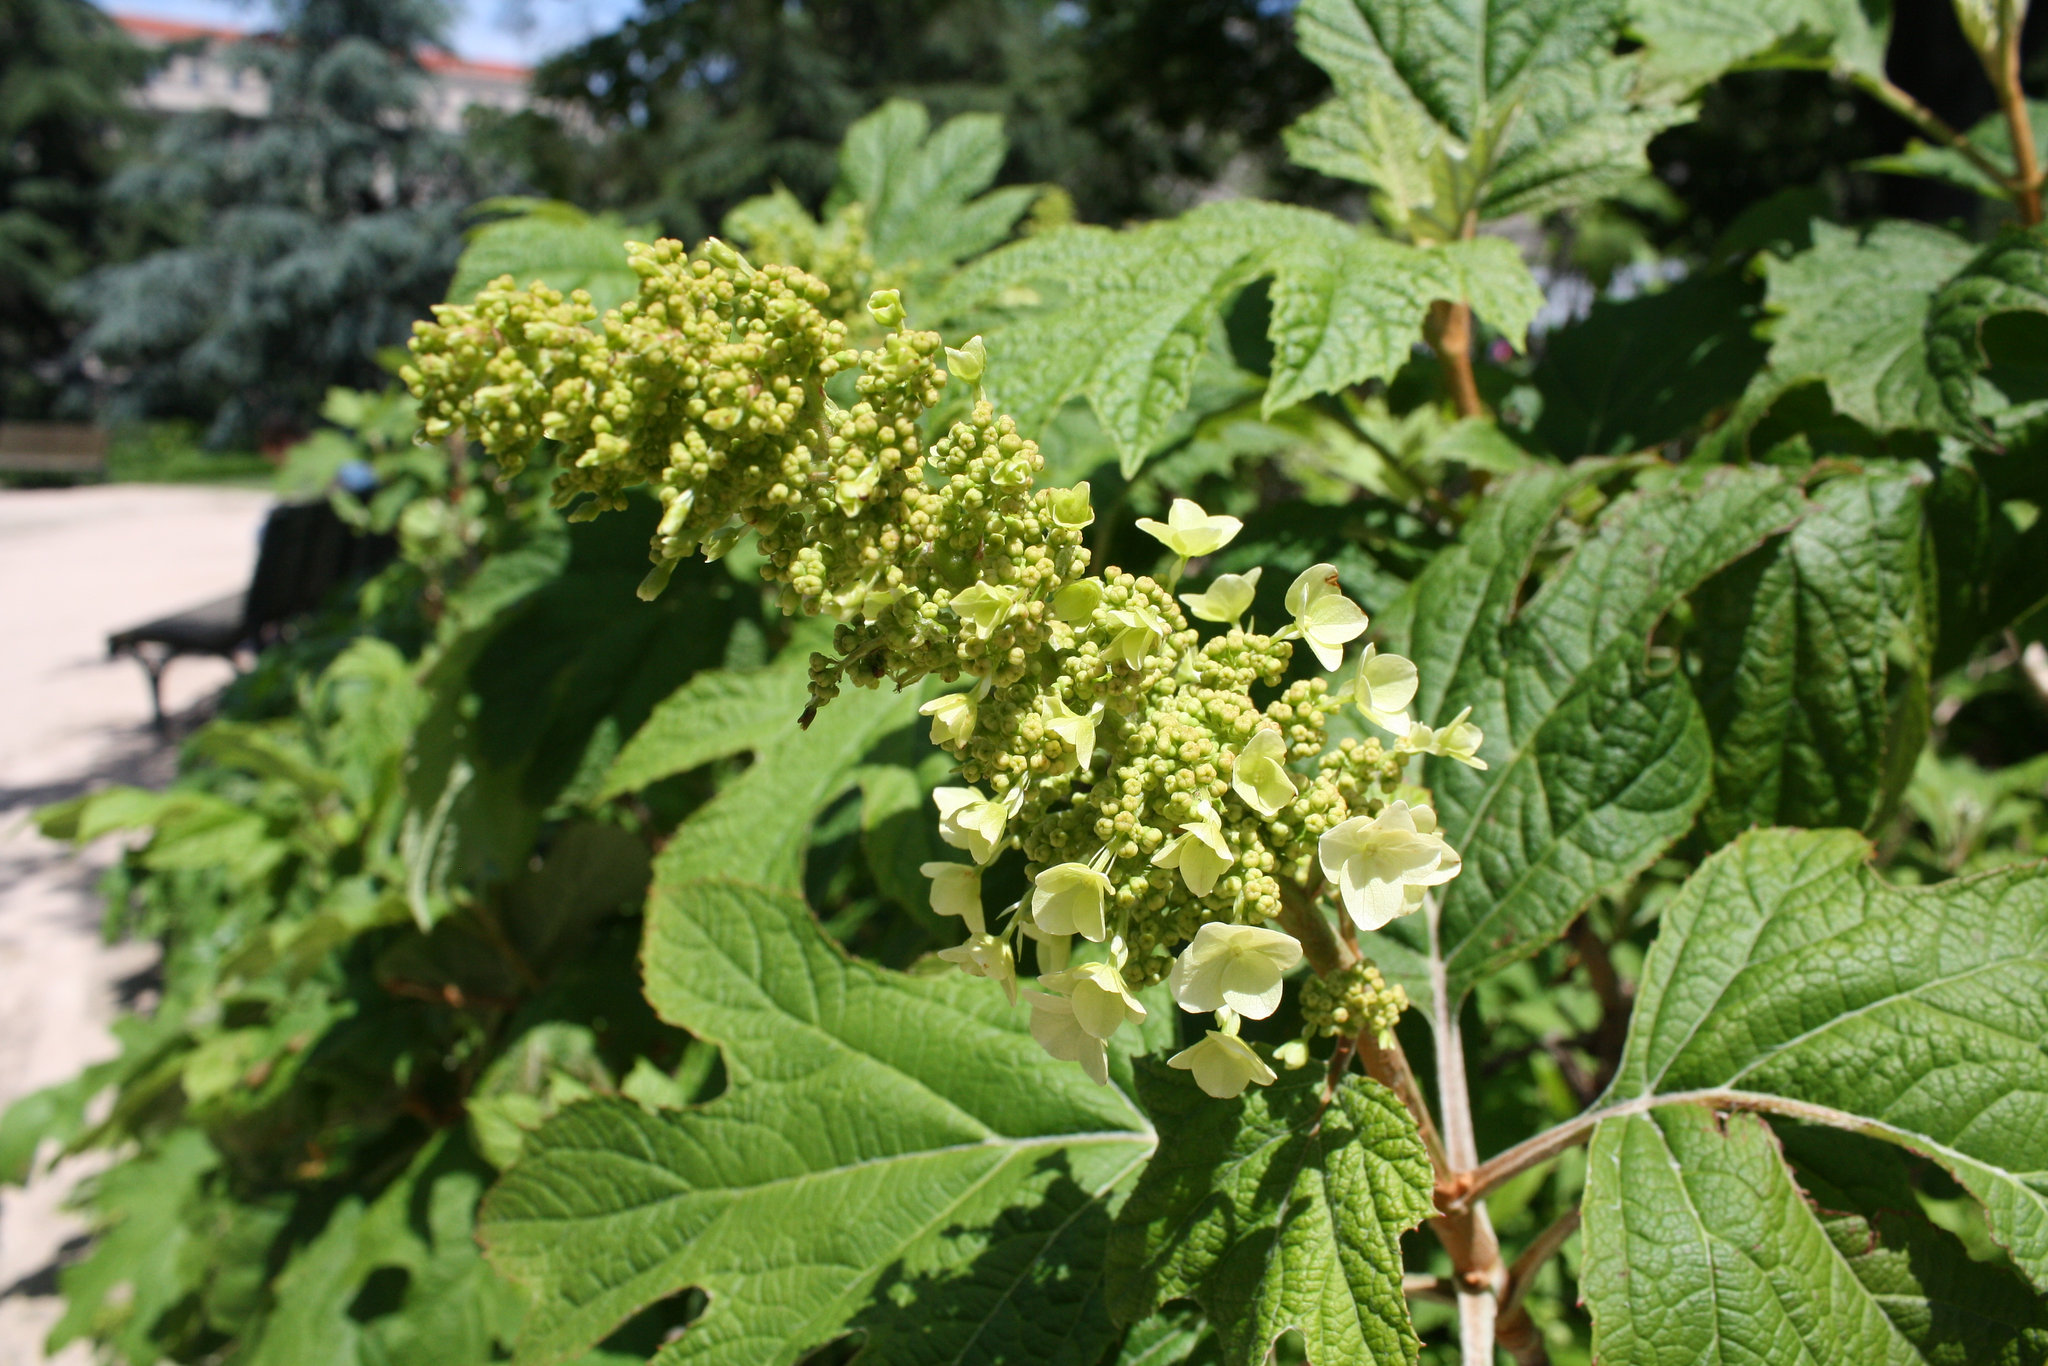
x,y
1639,373
65,72
707,102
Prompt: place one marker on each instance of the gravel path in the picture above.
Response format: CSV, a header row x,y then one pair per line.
x,y
76,564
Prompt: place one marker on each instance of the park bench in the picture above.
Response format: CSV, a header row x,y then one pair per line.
x,y
76,449
305,552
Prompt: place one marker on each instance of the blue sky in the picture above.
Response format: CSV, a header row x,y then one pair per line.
x,y
488,30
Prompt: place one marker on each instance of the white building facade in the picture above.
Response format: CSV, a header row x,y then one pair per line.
x,y
203,78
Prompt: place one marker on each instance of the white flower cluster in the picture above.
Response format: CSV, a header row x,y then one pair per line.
x,y
1380,863
1162,813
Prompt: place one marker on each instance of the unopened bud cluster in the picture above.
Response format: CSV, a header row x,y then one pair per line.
x,y
1158,806
1351,1001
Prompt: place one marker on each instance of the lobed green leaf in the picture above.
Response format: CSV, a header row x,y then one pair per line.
x,y
2008,277
1598,755
1787,968
1130,312
895,1158
1868,343
1816,651
1280,1210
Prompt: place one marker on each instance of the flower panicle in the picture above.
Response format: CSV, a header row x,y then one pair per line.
x,y
1158,808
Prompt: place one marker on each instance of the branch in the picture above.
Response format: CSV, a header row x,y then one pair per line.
x,y
1611,1034
1450,336
1931,125
1534,1256
1466,1233
1421,1286
1300,918
1491,1174
1518,1334
1389,1067
2012,99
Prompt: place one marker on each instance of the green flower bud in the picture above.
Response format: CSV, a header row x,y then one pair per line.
x,y
1078,601
1070,506
965,363
885,306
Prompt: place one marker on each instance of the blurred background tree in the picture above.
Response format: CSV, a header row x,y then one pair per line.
x,y
65,71
237,267
301,243
1133,108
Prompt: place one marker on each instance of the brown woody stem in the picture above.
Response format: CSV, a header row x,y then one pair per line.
x,y
1450,336
1491,1174
2012,98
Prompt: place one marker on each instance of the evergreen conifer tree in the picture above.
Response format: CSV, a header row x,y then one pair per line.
x,y
65,70
307,239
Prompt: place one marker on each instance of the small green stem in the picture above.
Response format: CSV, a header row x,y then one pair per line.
x,y
1930,124
1491,1174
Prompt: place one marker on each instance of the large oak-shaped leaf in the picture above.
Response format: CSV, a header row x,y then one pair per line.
x,y
1789,977
1281,1209
1126,314
1599,754
895,1158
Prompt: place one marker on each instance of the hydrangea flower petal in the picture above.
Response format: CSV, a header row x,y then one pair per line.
x,y
970,821
1384,687
1189,532
1070,898
956,890
1223,1065
1059,1033
986,956
1227,599
1260,776
1383,864
1236,967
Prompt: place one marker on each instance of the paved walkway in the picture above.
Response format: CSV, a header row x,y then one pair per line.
x,y
76,564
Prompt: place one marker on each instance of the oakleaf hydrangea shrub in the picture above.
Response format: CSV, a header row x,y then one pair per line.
x,y
1164,813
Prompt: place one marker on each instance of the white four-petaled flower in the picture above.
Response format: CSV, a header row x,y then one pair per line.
x,y
1060,1033
1199,851
1384,687
952,717
1190,532
1323,616
985,955
1383,864
1069,898
1223,1065
970,821
1238,967
1260,775
1100,1000
956,890
1077,731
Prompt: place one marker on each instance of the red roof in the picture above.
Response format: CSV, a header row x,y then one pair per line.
x,y
168,31
433,59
